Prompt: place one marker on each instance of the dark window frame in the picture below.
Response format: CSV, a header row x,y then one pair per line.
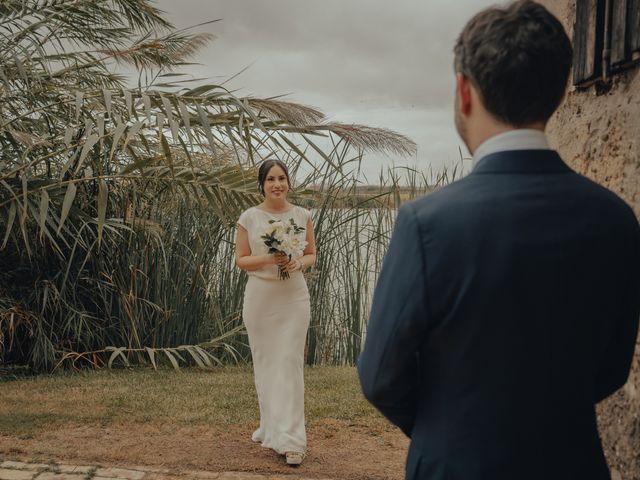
x,y
606,40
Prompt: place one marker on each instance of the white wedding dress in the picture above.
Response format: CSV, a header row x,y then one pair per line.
x,y
276,314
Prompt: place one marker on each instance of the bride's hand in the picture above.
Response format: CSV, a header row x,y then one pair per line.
x,y
279,259
293,266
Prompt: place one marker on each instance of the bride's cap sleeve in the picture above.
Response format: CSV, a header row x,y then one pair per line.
x,y
244,219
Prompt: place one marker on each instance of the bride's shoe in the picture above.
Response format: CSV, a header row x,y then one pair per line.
x,y
294,458
256,436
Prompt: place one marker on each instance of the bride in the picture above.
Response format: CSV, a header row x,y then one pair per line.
x,y
276,312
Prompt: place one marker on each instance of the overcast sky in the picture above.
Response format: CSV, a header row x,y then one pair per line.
x,y
375,62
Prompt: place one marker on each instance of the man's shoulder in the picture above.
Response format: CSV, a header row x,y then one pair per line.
x,y
607,200
475,191
443,198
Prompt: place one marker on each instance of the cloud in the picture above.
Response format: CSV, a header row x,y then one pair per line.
x,y
373,61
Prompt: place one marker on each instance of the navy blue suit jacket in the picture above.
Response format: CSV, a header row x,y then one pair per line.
x,y
506,308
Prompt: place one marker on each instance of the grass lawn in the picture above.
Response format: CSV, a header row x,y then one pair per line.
x,y
192,418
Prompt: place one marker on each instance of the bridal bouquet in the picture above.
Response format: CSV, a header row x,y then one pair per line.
x,y
282,237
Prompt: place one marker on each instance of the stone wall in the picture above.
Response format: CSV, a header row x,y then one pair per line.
x,y
598,135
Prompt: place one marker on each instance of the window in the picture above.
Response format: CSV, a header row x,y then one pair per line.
x,y
606,39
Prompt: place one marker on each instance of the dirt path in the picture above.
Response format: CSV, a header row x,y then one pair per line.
x,y
337,449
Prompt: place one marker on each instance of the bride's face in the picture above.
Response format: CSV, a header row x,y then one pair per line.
x,y
276,184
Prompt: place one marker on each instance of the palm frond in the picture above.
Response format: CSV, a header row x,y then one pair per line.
x,y
280,111
167,52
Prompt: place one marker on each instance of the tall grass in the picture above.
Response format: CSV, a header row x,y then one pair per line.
x,y
352,239
169,278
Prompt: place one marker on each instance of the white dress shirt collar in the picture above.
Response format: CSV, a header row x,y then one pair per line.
x,y
522,139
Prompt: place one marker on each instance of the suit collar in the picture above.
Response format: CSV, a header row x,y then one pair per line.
x,y
519,139
522,161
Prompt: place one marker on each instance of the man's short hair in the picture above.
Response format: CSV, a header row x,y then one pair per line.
x,y
518,57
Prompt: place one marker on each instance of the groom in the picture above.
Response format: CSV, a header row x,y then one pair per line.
x,y
508,301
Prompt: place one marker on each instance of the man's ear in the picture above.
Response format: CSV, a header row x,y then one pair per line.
x,y
463,91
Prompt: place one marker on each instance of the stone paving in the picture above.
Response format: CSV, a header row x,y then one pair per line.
x,y
14,470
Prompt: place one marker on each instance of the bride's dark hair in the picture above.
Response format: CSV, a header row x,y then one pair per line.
x,y
264,170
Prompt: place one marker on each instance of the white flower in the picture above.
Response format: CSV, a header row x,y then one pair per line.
x,y
298,245
277,229
285,246
280,234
